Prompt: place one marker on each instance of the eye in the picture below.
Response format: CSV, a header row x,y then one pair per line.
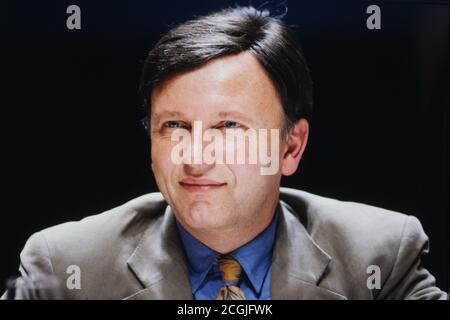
x,y
229,124
172,124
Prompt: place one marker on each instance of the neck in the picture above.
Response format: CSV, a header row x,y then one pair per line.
x,y
225,240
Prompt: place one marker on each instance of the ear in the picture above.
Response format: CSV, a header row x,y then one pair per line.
x,y
294,147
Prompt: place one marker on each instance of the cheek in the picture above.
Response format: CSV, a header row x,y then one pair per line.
x,y
247,176
251,185
160,155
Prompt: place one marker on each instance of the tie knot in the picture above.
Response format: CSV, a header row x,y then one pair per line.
x,y
231,269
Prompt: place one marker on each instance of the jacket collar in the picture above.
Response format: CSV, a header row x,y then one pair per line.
x,y
159,262
298,263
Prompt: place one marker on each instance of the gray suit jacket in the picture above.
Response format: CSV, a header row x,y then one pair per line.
x,y
323,250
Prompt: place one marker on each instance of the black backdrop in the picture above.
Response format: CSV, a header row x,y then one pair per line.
x,y
75,146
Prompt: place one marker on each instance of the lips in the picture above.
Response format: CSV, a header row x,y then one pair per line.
x,y
190,184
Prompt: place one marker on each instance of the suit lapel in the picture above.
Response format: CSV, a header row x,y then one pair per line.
x,y
159,262
298,263
298,266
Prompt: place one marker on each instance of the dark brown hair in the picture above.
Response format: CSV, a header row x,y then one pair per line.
x,y
229,31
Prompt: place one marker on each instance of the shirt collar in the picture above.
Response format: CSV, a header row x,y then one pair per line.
x,y
200,257
255,256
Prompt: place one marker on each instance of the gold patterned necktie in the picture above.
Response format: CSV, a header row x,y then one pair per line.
x,y
231,274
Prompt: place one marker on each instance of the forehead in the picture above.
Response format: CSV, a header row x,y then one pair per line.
x,y
231,83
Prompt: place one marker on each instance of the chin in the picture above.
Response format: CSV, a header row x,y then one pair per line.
x,y
204,216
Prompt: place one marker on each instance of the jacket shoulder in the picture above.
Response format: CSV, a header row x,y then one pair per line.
x,y
119,221
363,239
358,237
357,221
109,235
94,244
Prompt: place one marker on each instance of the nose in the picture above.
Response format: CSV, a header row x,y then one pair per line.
x,y
197,166
197,170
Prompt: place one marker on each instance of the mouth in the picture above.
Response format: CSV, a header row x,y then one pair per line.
x,y
200,185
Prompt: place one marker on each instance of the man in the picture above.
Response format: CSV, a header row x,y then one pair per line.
x,y
225,229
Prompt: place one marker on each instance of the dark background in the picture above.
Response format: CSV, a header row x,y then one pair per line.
x,y
75,147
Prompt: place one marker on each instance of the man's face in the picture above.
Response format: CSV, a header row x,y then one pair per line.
x,y
227,93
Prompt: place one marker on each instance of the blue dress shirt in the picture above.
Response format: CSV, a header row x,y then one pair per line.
x,y
255,258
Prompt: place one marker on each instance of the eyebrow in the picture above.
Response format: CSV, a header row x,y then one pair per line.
x,y
235,114
222,114
167,113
